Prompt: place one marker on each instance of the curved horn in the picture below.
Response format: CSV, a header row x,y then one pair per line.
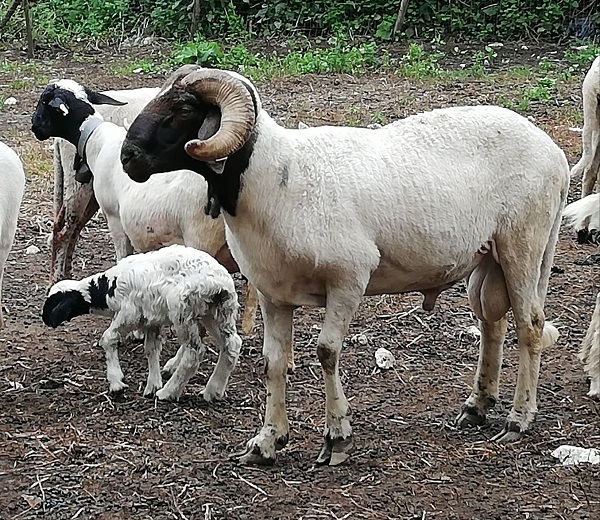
x,y
238,115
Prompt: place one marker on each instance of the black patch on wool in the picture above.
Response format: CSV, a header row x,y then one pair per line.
x,y
220,297
64,306
100,289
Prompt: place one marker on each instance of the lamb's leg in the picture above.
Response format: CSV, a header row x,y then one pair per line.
x,y
591,154
110,342
223,330
152,348
339,440
171,365
193,352
273,436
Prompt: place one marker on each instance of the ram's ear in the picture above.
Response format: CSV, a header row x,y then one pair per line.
x,y
208,128
97,98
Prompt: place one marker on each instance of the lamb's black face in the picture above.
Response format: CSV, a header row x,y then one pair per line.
x,y
64,306
58,114
156,139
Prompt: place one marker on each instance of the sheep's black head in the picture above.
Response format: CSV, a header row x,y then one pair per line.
x,y
202,120
63,106
65,301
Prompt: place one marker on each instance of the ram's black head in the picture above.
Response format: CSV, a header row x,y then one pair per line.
x,y
63,106
202,120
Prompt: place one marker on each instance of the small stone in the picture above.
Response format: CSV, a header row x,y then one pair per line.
x,y
360,339
32,250
473,331
384,358
10,101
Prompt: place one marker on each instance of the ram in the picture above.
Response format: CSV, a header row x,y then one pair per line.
x,y
322,216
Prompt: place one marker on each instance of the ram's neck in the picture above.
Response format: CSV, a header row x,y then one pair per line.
x,y
257,166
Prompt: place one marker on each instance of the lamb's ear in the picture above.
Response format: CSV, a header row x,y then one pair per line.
x,y
97,98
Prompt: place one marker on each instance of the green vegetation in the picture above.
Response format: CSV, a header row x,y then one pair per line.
x,y
472,20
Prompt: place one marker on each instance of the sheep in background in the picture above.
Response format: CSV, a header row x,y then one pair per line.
x,y
12,185
325,215
144,217
589,163
587,211
74,201
177,286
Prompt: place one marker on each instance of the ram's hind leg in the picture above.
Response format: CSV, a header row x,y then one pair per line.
x,y
527,283
489,300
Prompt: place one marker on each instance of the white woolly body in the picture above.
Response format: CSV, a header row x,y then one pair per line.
x,y
412,207
12,184
78,197
177,286
589,164
171,285
166,210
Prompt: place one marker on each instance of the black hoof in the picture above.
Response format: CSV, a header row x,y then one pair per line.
x,y
470,417
335,451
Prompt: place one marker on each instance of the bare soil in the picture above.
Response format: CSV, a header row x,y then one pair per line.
x,y
68,450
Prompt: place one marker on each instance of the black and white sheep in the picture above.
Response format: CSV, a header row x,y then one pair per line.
x,y
142,217
12,184
74,201
325,215
177,286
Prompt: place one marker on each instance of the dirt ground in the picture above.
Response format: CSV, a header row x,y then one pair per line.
x,y
68,450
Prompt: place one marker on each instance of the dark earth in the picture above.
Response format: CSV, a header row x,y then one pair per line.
x,y
69,450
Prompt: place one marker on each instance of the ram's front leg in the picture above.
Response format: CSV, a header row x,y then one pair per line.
x,y
339,440
273,436
110,342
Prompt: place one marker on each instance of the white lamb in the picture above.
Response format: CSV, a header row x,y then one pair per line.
x,y
325,215
587,210
139,216
12,184
74,201
177,286
589,163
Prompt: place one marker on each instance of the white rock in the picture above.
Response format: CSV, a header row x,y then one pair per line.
x,y
495,45
573,455
576,130
361,339
473,331
138,70
384,358
10,101
32,250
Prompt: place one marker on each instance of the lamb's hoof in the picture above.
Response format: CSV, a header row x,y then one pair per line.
x,y
470,416
117,389
253,456
163,395
169,368
510,433
151,390
335,451
212,395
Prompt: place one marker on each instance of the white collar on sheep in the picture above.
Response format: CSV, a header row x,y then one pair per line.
x,y
71,285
